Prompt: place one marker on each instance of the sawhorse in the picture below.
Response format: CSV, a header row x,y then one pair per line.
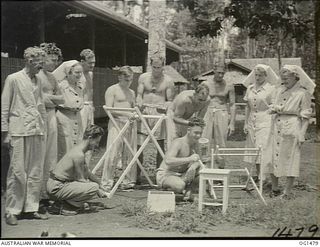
x,y
134,153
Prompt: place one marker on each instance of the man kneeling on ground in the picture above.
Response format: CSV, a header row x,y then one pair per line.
x,y
179,170
71,183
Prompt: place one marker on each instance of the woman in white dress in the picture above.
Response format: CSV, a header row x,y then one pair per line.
x,y
260,85
69,122
290,114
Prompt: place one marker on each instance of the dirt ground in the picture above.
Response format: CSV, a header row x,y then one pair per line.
x,y
111,223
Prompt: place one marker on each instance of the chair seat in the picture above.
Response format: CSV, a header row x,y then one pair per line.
x,y
215,171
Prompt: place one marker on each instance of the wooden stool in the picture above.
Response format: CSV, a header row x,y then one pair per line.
x,y
211,175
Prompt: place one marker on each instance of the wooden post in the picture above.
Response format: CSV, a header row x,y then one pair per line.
x,y
92,33
124,48
317,89
41,23
157,29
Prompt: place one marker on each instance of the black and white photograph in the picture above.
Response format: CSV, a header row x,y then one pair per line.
x,y
160,119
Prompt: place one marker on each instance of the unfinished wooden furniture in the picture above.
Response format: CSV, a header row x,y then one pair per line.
x,y
209,175
241,152
133,150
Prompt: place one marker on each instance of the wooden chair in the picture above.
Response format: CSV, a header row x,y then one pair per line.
x,y
255,152
210,175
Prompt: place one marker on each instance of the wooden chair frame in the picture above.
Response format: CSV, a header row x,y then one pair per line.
x,y
135,153
256,152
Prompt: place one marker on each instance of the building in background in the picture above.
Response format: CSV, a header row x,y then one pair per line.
x,y
239,69
73,26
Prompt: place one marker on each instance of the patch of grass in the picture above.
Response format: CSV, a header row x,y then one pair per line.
x,y
299,212
296,213
185,219
133,208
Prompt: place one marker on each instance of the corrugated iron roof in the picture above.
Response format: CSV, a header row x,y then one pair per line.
x,y
272,62
175,75
248,64
97,9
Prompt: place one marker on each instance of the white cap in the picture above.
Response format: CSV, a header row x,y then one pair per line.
x,y
63,70
272,78
304,79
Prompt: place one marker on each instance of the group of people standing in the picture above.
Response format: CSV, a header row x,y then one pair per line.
x,y
276,118
47,118
45,112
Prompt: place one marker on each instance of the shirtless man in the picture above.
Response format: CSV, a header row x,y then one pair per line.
x,y
119,95
178,170
88,61
186,104
71,181
216,118
155,88
52,98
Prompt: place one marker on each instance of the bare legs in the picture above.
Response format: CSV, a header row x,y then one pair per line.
x,y
288,188
158,160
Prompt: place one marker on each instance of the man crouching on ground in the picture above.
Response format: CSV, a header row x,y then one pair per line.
x,y
71,184
179,170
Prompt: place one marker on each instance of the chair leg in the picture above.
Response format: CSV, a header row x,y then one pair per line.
x,y
256,188
225,194
201,194
212,192
261,180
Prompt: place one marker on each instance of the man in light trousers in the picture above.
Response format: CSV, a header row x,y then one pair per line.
x,y
23,117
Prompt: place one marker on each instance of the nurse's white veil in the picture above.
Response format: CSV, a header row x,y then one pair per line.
x,y
272,78
63,70
304,79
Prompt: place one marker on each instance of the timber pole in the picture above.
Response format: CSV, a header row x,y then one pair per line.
x,y
157,30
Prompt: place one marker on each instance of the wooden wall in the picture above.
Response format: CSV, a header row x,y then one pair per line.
x,y
102,79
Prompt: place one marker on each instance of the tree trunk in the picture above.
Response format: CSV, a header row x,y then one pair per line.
x,y
279,45
42,24
294,47
144,14
255,47
157,29
222,47
317,89
248,48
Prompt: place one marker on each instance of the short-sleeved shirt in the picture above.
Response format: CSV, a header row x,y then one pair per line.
x,y
259,101
73,96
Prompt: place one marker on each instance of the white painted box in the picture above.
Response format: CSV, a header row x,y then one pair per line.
x,y
161,201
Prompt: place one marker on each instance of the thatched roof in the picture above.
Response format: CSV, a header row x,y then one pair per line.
x,y
175,75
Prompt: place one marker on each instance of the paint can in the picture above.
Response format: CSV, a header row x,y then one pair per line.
x,y
204,148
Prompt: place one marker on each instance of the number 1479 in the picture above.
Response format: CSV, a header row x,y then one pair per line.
x,y
288,232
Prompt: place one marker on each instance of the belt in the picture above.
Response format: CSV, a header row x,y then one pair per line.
x,y
214,109
53,176
61,109
287,114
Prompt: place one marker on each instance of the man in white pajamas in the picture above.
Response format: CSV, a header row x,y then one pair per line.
x,y
23,127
